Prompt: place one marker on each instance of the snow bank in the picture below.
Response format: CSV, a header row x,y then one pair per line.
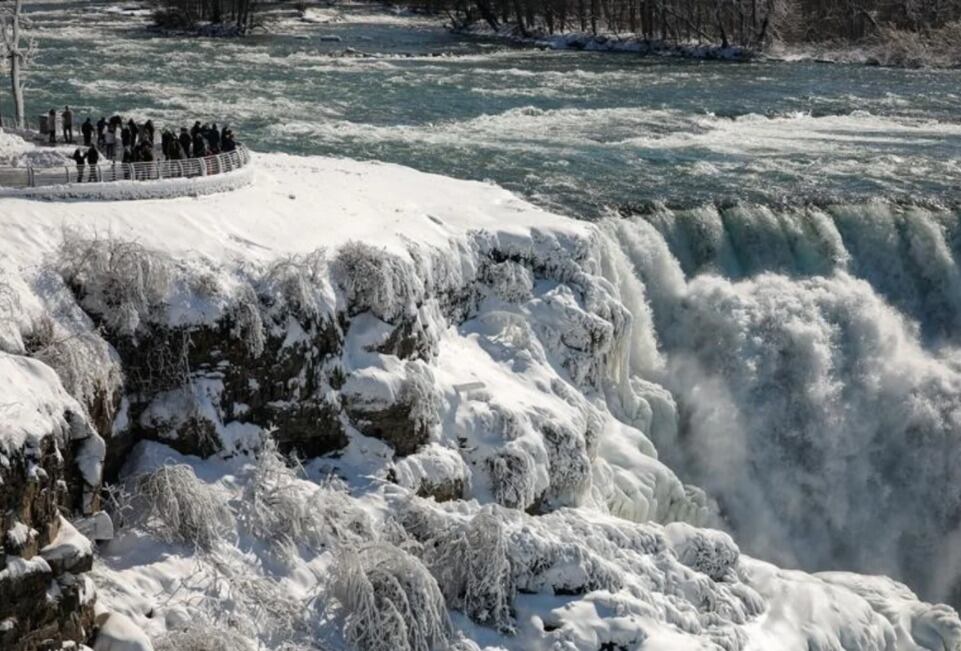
x,y
35,406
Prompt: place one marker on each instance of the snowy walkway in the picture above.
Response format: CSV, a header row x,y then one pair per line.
x,y
88,180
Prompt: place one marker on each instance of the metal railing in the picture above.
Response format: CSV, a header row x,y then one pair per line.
x,y
34,177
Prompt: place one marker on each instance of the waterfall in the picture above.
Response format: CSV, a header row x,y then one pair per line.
x,y
812,352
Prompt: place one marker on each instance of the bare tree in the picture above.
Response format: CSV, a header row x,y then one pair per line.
x,y
17,54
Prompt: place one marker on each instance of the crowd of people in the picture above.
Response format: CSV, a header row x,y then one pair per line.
x,y
135,143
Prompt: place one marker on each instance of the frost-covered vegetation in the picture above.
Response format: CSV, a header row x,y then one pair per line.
x,y
177,507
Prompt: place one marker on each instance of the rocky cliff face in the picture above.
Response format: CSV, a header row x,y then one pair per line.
x,y
49,464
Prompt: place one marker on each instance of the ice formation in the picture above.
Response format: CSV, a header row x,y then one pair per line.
x,y
517,431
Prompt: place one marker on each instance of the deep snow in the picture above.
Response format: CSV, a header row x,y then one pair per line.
x,y
555,394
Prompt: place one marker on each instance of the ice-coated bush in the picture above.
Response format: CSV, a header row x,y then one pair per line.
x,y
284,511
471,565
390,601
419,391
203,636
122,282
510,281
84,362
569,463
629,568
301,283
178,507
710,552
247,322
375,280
512,478
255,605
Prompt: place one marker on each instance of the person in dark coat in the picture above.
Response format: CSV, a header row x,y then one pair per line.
x,y
125,138
134,131
176,150
185,141
101,128
199,146
228,144
81,160
87,130
147,134
214,139
93,158
223,134
194,130
166,143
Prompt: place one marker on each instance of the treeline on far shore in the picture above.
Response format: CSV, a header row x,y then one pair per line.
x,y
751,24
747,23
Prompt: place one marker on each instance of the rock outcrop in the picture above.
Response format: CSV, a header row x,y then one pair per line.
x,y
50,462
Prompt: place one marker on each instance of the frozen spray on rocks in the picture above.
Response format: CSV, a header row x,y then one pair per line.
x,y
483,396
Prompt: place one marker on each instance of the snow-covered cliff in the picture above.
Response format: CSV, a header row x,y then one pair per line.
x,y
483,396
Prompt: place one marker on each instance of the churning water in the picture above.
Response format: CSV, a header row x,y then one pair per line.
x,y
575,131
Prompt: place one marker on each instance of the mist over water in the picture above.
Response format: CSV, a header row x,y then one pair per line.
x,y
813,356
811,347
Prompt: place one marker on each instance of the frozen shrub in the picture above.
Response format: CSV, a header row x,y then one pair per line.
x,y
286,512
178,507
510,281
122,282
512,478
375,280
389,599
420,392
471,565
203,636
248,325
569,463
301,282
255,605
86,365
704,550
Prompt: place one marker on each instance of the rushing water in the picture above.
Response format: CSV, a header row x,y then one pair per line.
x,y
576,131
